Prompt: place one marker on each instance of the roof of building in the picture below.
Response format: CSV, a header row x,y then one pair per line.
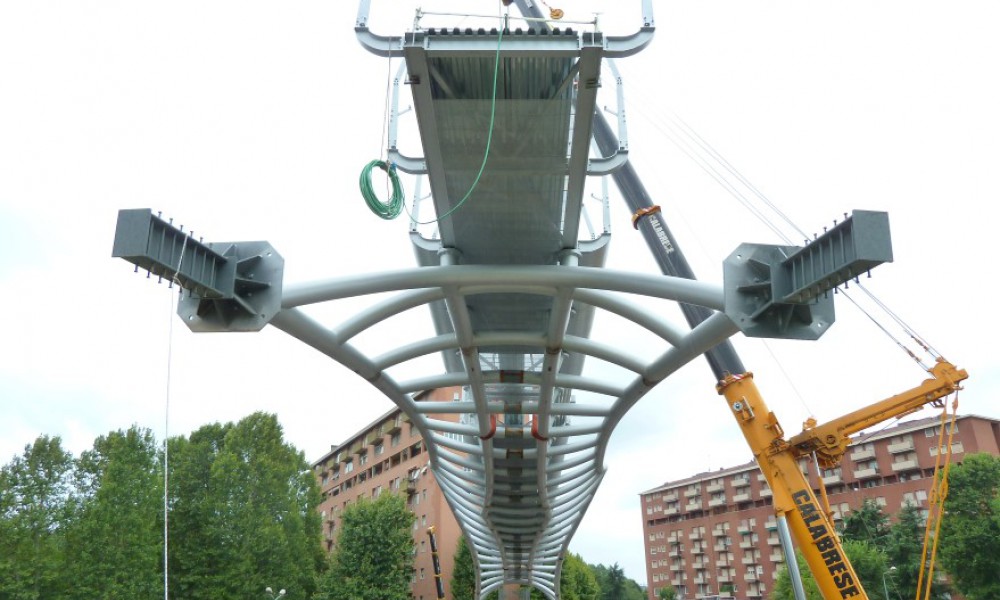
x,y
864,437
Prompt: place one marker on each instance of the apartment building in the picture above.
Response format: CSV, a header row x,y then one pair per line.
x,y
714,535
389,455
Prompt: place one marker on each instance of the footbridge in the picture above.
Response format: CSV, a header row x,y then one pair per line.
x,y
512,277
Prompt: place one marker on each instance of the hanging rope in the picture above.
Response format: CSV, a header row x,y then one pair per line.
x,y
391,208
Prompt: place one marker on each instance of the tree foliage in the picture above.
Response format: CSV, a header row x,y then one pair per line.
x,y
667,592
463,573
970,532
373,559
578,581
903,551
242,517
867,524
116,540
614,585
868,562
243,513
37,503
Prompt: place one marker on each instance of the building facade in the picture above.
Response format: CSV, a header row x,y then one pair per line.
x,y
389,456
714,535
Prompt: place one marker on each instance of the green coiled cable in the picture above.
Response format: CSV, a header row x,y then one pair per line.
x,y
387,210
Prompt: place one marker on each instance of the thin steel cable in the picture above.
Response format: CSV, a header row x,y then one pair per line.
x,y
889,334
166,425
676,123
788,378
703,143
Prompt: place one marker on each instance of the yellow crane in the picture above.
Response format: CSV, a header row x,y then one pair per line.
x,y
795,503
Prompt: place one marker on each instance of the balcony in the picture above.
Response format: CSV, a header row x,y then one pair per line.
x,y
743,527
700,564
671,510
724,578
670,496
777,557
698,550
718,531
675,537
748,560
905,465
675,553
760,477
716,502
868,473
745,544
771,523
740,481
693,505
720,547
765,493
723,561
744,497
773,540
715,487
862,454
750,577
676,581
697,534
903,446
677,567
691,493
832,479
700,579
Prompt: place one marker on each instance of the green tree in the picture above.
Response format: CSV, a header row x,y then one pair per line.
x,y
196,559
667,592
116,542
463,573
37,501
867,523
970,531
373,559
577,580
243,514
868,562
615,584
903,550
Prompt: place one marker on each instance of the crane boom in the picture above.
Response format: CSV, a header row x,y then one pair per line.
x,y
830,440
795,503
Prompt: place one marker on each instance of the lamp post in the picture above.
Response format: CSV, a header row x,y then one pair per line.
x,y
281,593
885,587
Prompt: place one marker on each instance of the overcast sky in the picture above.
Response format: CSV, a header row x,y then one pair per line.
x,y
252,120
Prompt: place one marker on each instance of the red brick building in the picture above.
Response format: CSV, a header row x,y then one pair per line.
x,y
714,535
389,455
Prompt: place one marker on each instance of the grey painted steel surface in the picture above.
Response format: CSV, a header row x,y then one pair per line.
x,y
790,560
783,291
521,467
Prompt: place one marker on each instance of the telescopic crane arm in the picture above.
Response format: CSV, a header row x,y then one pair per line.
x,y
794,500
830,440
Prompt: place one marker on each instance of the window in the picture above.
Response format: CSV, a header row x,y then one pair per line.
x,y
421,573
379,449
364,459
349,467
394,440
